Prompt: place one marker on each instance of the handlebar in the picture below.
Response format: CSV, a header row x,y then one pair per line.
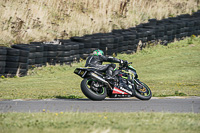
x,y
126,64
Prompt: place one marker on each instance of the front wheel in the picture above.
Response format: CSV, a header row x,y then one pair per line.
x,y
93,90
142,91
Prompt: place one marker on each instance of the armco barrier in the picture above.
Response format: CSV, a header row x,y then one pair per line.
x,y
17,59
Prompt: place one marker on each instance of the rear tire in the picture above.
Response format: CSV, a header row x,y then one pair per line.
x,y
88,92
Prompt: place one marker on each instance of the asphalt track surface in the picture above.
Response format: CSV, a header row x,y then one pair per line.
x,y
175,105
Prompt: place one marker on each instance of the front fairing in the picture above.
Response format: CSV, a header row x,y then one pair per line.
x,y
133,71
131,67
129,70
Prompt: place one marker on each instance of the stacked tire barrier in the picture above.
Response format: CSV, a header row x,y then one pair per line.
x,y
23,62
39,55
12,61
51,54
17,59
67,54
3,52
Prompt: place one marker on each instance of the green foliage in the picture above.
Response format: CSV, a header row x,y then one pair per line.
x,y
171,70
99,122
179,93
190,40
44,82
69,97
167,69
2,77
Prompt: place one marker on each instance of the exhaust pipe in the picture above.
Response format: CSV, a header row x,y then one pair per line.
x,y
100,79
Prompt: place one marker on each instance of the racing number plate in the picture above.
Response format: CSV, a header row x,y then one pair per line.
x,y
80,72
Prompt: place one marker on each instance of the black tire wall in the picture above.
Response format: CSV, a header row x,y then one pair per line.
x,y
3,52
62,51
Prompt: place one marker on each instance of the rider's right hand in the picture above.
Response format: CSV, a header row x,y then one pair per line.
x,y
124,62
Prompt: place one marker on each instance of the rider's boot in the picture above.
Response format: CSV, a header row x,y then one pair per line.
x,y
109,76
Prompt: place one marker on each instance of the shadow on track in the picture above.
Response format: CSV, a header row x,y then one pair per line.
x,y
74,98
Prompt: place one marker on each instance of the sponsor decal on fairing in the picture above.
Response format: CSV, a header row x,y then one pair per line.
x,y
118,91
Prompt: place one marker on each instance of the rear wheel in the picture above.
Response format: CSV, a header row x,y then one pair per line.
x,y
93,90
142,91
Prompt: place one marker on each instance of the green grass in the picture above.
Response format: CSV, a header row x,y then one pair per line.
x,y
172,70
100,122
45,82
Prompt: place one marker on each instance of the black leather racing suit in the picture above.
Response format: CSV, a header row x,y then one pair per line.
x,y
97,61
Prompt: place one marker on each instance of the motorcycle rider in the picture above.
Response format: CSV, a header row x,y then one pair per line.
x,y
96,60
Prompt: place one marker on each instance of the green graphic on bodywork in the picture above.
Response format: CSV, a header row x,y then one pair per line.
x,y
124,77
131,67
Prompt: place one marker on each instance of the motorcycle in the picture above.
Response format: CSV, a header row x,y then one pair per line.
x,y
125,84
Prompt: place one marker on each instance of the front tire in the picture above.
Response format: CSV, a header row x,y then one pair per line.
x,y
90,93
144,92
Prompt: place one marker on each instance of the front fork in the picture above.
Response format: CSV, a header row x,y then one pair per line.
x,y
134,84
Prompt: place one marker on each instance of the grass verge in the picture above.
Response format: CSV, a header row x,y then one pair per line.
x,y
171,70
100,122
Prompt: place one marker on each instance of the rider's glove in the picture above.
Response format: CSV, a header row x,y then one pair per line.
x,y
123,62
